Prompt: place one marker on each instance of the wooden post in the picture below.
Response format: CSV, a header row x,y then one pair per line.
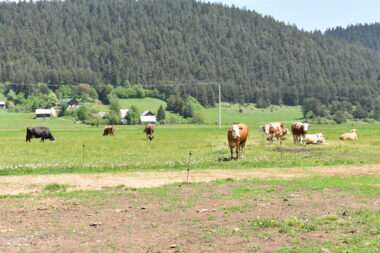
x,y
83,155
188,167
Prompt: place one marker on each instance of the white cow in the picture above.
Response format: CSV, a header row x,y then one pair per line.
x,y
314,139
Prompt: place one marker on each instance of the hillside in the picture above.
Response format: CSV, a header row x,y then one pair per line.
x,y
256,58
367,35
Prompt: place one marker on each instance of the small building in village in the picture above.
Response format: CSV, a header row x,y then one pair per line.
x,y
3,105
71,102
148,117
123,114
101,115
45,113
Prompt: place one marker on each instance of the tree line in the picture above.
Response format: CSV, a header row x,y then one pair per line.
x,y
104,43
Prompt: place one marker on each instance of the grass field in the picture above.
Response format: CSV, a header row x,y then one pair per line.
x,y
313,214
129,150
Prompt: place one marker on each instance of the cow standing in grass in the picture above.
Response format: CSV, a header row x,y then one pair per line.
x,y
149,130
109,130
237,138
276,130
39,132
299,130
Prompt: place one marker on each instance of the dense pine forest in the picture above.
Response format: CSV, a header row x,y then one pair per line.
x,y
367,35
155,43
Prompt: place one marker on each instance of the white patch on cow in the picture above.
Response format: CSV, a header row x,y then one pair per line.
x,y
305,126
235,131
264,129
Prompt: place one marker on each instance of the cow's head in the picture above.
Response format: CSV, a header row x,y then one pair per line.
x,y
51,138
354,131
320,138
305,126
235,131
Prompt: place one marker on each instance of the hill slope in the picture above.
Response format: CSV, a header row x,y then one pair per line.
x,y
156,42
367,35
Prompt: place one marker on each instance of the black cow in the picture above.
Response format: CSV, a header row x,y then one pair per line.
x,y
38,132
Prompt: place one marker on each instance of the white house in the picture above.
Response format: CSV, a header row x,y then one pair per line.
x,y
3,105
123,113
45,113
148,117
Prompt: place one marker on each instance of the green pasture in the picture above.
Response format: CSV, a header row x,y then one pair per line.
x,y
251,115
129,149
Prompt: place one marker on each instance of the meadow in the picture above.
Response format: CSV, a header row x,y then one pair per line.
x,y
83,149
310,214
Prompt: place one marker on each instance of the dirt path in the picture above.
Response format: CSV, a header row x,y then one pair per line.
x,y
33,183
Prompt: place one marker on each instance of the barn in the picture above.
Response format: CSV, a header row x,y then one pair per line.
x,y
148,117
45,113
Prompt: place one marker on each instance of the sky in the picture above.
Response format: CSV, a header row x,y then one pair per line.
x,y
313,15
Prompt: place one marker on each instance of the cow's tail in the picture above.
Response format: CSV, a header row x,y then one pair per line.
x,y
29,134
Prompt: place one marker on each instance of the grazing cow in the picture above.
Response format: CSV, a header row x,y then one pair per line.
x,y
299,130
237,138
38,132
350,136
109,130
265,129
314,139
276,130
149,130
284,132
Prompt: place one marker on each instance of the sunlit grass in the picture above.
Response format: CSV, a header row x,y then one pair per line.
x,y
83,149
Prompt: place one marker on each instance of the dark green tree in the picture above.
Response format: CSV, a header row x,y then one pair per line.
x,y
133,116
160,113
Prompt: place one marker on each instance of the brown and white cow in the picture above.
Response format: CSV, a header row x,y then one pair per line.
x,y
237,138
314,139
299,130
109,130
149,130
276,130
265,129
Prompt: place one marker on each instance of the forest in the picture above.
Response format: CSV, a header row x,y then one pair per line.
x,y
367,35
183,48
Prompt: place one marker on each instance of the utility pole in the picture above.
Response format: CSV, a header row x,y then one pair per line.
x,y
220,108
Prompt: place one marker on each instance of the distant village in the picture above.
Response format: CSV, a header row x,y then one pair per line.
x,y
147,117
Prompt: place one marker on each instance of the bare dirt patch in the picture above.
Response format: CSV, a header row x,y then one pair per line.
x,y
35,183
202,218
294,150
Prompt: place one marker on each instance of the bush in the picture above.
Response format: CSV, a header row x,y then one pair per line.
x,y
339,117
198,118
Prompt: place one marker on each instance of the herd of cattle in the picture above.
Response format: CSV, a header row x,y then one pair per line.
x,y
237,134
44,132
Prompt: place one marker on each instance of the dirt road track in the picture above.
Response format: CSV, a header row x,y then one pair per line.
x,y
34,183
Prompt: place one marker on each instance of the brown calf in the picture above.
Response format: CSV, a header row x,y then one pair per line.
x,y
149,130
109,130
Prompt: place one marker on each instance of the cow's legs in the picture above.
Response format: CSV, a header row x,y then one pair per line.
x,y
232,152
242,149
